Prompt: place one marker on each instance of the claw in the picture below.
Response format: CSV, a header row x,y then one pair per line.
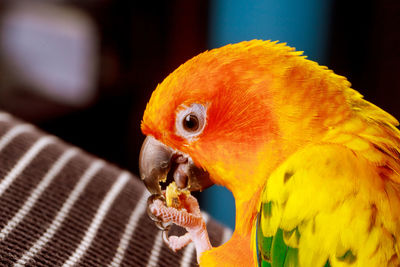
x,y
174,242
158,221
189,217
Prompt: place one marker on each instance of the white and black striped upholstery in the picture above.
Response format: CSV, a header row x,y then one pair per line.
x,y
60,206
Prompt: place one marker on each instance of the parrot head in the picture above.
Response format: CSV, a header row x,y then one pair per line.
x,y
229,115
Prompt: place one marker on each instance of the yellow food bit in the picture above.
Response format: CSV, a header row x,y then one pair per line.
x,y
172,195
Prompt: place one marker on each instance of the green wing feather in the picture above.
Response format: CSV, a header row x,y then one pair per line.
x,y
272,251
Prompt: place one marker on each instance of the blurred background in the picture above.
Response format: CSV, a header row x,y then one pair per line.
x,y
84,70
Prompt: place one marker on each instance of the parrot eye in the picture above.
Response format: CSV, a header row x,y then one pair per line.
x,y
190,121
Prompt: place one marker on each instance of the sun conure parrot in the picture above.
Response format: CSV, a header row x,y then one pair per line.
x,y
313,167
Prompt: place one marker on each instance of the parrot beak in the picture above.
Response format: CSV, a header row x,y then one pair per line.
x,y
159,163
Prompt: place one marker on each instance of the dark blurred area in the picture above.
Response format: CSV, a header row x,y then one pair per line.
x,y
84,70
365,47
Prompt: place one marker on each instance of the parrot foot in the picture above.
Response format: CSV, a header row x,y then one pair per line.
x,y
188,217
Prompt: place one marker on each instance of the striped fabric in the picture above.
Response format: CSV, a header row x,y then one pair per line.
x,y
60,206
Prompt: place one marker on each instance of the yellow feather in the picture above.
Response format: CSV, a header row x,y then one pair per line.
x,y
338,205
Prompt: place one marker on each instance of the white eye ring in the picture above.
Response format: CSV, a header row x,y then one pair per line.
x,y
190,121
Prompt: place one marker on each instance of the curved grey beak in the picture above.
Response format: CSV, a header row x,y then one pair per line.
x,y
159,163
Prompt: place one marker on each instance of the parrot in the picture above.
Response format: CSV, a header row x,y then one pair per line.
x,y
313,167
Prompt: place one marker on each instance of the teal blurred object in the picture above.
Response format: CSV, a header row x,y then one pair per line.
x,y
301,24
219,202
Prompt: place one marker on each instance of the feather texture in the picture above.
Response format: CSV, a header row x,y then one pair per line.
x,y
331,204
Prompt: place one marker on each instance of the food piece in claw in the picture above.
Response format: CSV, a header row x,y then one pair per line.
x,y
189,217
173,195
